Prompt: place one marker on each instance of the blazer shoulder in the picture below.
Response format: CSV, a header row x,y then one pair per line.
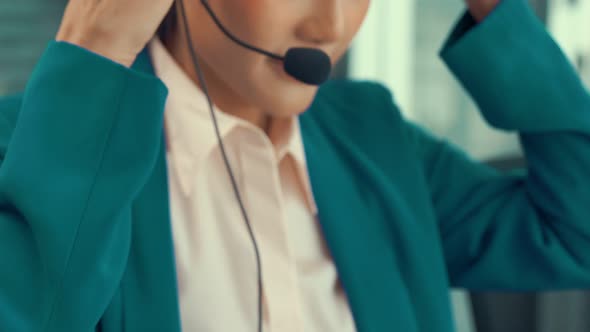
x,y
356,108
9,109
356,93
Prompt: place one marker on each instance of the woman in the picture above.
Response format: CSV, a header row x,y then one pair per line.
x,y
117,213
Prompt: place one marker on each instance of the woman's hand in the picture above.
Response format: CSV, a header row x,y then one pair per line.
x,y
480,9
116,29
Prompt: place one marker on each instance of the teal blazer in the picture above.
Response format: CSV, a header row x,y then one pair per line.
x,y
85,233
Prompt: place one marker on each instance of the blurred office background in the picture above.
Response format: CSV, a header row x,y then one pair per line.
x,y
398,46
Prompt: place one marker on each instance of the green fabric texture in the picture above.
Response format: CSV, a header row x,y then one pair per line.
x,y
85,234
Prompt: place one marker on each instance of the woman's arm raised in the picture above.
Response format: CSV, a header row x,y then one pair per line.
x,y
87,134
529,230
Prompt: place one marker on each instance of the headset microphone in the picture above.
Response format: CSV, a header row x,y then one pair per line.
x,y
308,65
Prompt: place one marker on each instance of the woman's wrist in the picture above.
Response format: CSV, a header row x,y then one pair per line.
x,y
100,43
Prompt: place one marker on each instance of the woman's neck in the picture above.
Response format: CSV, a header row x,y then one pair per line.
x,y
221,94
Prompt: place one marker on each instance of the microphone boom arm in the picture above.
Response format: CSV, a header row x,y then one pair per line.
x,y
236,39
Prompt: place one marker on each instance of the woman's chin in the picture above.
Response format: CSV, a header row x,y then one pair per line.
x,y
291,103
280,94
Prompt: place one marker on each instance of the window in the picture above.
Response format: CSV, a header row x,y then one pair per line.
x,y
27,26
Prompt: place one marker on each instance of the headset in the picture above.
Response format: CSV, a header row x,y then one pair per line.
x,y
307,65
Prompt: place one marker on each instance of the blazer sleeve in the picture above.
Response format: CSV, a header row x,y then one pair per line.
x,y
529,229
85,140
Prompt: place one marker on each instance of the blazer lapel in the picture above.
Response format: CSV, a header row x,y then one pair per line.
x,y
360,242
149,289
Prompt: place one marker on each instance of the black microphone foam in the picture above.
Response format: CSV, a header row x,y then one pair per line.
x,y
308,65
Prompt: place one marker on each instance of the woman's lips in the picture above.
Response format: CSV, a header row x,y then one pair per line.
x,y
279,69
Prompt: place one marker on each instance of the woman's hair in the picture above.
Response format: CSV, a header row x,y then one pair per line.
x,y
168,24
